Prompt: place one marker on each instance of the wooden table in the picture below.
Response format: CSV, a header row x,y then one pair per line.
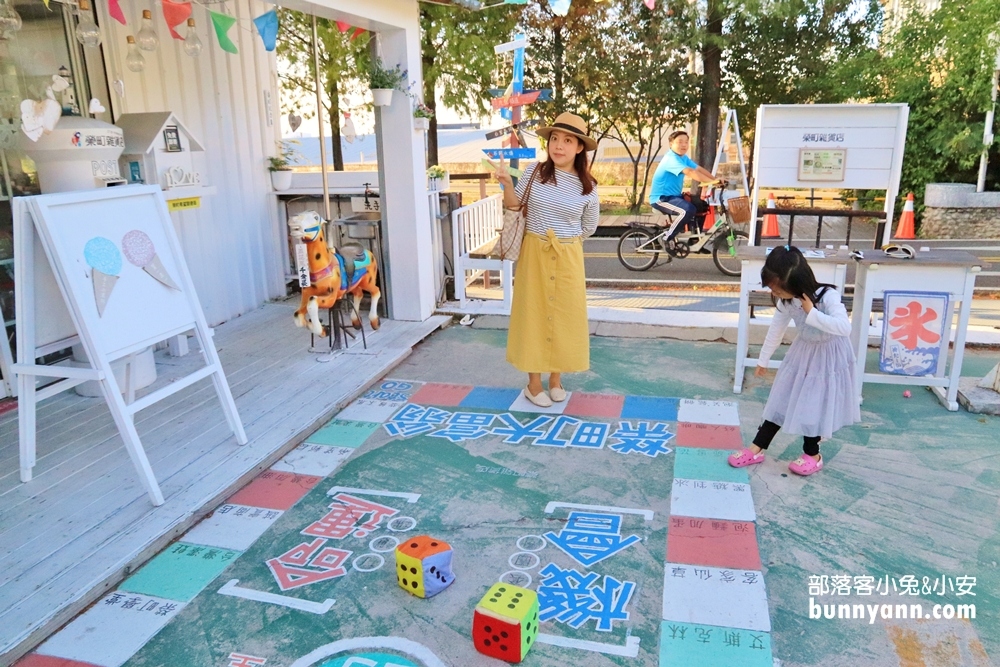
x,y
951,271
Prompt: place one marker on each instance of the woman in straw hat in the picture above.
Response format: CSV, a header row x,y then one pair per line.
x,y
548,321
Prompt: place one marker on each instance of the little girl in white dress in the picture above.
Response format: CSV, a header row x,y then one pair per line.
x,y
813,393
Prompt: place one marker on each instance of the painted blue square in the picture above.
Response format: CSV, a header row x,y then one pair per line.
x,y
489,398
655,408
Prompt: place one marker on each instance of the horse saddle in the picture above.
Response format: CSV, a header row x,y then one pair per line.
x,y
353,261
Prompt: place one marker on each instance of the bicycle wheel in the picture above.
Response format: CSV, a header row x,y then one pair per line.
x,y
724,255
629,253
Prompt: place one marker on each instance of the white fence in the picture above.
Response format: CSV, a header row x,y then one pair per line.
x,y
474,230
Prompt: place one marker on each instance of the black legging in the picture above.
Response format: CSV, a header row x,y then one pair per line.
x,y
767,431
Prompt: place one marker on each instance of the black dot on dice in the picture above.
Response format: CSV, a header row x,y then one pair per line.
x,y
434,544
403,568
495,638
511,606
517,595
486,642
405,582
433,568
413,545
493,599
504,634
502,647
487,628
414,584
529,640
413,570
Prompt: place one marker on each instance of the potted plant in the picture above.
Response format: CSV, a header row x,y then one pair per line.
x,y
383,81
422,115
438,179
280,166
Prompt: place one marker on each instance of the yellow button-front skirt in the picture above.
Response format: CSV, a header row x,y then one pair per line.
x,y
548,320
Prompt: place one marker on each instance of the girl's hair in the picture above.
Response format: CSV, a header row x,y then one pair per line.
x,y
547,171
786,267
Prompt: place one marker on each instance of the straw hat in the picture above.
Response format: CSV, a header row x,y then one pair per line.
x,y
572,124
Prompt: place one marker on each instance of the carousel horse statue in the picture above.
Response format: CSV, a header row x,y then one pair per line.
x,y
332,273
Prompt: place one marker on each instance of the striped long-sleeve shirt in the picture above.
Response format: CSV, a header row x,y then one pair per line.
x,y
559,206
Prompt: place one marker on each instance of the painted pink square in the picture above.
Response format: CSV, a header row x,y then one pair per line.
x,y
39,660
713,542
608,406
708,436
445,395
274,490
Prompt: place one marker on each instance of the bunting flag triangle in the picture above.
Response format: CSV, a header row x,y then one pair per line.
x,y
46,3
114,9
343,26
267,28
560,7
651,4
222,23
176,13
357,31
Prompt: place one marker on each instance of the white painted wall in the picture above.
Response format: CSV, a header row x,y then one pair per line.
x,y
233,244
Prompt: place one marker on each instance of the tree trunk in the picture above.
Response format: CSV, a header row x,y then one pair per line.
x,y
711,57
334,120
557,68
430,100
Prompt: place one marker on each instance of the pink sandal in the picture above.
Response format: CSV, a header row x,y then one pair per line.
x,y
744,458
805,465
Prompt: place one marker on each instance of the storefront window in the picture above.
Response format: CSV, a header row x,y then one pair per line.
x,y
44,46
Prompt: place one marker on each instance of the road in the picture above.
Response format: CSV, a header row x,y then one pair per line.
x,y
603,267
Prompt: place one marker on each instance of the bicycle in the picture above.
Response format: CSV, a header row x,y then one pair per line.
x,y
640,247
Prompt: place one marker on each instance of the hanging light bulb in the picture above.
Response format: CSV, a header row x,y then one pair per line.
x,y
146,37
10,20
87,32
192,45
134,60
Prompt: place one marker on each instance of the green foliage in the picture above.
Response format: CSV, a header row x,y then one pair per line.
x,y
940,64
382,77
286,156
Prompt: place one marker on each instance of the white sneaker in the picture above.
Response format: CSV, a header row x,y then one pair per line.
x,y
558,394
542,400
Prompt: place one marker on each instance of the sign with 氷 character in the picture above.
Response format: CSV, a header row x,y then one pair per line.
x,y
914,332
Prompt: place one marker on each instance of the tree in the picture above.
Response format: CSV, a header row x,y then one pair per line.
x,y
457,58
940,63
343,62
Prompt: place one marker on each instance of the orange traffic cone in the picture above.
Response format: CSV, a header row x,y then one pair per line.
x,y
709,219
771,230
905,228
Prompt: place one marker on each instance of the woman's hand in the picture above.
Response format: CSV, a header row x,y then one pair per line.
x,y
807,304
760,371
502,174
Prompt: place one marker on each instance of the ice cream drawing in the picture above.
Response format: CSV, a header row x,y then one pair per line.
x,y
139,250
105,263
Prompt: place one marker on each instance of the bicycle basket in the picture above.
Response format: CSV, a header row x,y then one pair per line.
x,y
739,210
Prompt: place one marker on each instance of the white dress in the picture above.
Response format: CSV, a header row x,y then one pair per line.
x,y
813,393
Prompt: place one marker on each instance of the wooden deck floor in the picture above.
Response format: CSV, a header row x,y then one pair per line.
x,y
84,522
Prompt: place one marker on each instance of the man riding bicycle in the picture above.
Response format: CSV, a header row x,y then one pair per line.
x,y
666,193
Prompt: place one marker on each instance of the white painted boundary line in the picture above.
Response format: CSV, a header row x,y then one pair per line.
x,y
646,514
404,646
630,650
230,588
410,497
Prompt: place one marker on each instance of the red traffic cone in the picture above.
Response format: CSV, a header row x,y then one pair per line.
x,y
709,221
904,230
771,230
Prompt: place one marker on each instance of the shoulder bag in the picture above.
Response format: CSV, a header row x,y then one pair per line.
x,y
508,244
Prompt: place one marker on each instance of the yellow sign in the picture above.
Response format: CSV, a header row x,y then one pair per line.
x,y
185,204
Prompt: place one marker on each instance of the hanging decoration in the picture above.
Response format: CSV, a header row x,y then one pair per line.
x,y
10,20
267,28
223,23
115,10
343,26
133,59
348,132
176,13
357,31
40,117
192,44
87,32
651,4
146,37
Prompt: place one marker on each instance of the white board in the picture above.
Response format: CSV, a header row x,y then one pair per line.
x,y
140,310
872,137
